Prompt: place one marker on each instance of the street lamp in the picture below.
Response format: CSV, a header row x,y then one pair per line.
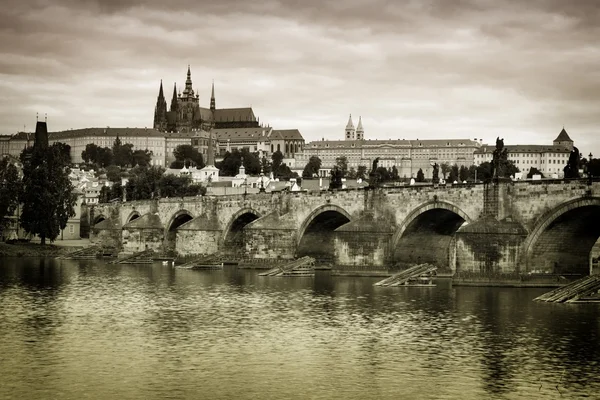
x,y
589,170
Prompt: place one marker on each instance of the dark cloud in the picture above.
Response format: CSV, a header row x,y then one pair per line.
x,y
460,68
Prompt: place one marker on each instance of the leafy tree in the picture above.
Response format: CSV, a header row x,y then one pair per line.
x,y
173,185
485,172
463,173
571,170
142,158
122,153
361,172
143,183
342,164
312,167
420,176
90,154
593,167
265,165
534,171
453,175
277,159
188,155
335,181
47,195
251,162
351,173
10,189
113,173
108,193
394,174
445,169
231,163
64,150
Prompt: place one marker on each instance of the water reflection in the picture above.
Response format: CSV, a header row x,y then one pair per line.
x,y
89,329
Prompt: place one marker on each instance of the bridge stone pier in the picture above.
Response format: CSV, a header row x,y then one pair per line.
x,y
505,227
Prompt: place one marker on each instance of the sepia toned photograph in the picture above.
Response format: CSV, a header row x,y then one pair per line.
x,y
282,199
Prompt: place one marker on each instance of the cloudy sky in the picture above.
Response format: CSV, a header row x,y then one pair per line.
x,y
412,69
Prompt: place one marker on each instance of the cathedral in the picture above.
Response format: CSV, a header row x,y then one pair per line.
x,y
186,114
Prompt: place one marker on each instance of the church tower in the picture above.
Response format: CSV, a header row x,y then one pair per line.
x,y
360,132
212,98
350,132
160,111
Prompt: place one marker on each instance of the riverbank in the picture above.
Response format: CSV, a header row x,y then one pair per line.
x,y
35,249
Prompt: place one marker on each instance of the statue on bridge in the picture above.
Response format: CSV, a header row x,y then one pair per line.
x,y
374,177
571,170
499,158
435,176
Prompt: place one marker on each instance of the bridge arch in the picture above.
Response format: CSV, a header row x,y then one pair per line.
x,y
179,218
562,239
132,216
232,239
238,221
98,219
315,236
170,234
426,235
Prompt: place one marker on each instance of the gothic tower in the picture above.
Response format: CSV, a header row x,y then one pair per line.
x,y
350,132
160,111
212,98
360,132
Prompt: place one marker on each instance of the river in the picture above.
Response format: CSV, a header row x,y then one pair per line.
x,y
90,330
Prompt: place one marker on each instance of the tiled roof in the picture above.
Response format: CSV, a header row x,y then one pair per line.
x,y
203,114
234,134
112,132
525,148
286,134
23,136
563,137
234,114
391,143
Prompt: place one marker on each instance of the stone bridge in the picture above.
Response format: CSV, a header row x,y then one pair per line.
x,y
507,227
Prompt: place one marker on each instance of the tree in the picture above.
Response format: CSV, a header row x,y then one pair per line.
x,y
420,176
361,172
10,190
90,154
484,172
277,159
113,173
188,155
312,168
265,165
251,162
122,153
335,181
142,158
64,151
571,170
351,173
453,175
445,169
231,163
394,174
342,164
593,167
463,173
534,171
47,195
143,183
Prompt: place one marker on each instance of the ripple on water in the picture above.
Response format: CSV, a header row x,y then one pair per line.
x,y
90,330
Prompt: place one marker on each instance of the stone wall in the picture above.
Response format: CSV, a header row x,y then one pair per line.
x,y
135,240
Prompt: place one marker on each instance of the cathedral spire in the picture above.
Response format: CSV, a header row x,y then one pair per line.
x,y
360,132
212,97
174,99
160,111
188,91
350,132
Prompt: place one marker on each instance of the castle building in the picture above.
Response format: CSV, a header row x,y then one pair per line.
x,y
408,156
186,114
550,160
